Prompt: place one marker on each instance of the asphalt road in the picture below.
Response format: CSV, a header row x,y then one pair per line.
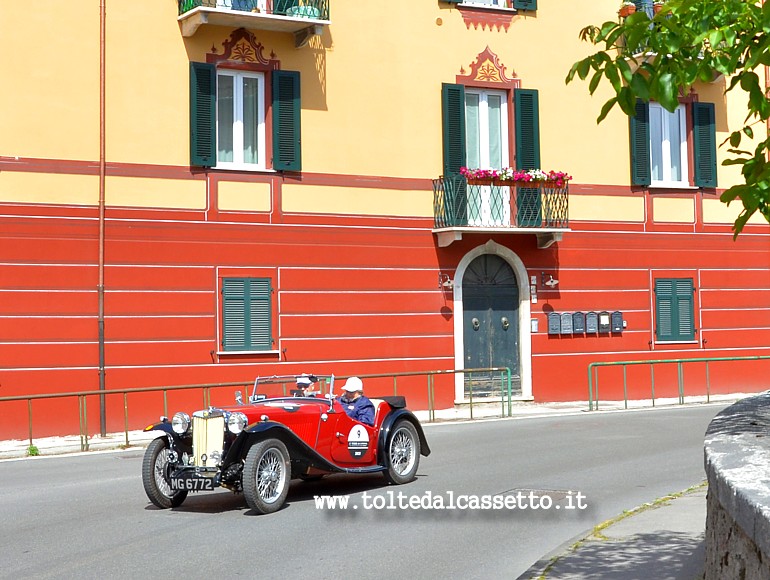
x,y
86,516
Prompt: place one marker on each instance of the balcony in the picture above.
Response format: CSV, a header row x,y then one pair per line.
x,y
303,18
462,206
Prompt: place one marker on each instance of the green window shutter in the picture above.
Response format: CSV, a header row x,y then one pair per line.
x,y
287,155
453,1
674,309
704,144
246,311
453,118
525,4
639,131
527,119
203,83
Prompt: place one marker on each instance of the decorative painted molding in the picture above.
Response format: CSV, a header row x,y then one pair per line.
x,y
242,48
486,17
487,71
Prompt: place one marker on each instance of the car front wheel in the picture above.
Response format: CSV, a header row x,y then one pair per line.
x,y
403,454
156,472
266,476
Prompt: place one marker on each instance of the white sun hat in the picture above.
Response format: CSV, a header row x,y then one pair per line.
x,y
353,384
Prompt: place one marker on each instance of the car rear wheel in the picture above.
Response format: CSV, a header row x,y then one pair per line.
x,y
156,474
266,476
403,453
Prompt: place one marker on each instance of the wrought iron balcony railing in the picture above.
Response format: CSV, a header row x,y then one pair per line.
x,y
535,205
312,9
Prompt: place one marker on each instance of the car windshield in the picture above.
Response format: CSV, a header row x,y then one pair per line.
x,y
304,385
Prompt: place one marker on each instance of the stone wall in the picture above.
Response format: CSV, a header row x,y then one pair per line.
x,y
737,456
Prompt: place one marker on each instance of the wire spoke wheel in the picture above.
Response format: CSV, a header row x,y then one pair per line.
x,y
403,453
266,476
156,475
271,476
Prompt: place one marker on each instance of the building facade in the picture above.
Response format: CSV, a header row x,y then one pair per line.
x,y
206,191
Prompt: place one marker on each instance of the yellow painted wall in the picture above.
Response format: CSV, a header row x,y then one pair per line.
x,y
716,212
606,208
243,196
371,93
48,188
159,193
673,210
356,201
49,101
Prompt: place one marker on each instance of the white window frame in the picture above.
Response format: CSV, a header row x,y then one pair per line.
x,y
666,147
490,3
480,199
238,162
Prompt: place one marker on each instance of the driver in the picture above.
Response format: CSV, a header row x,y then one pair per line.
x,y
305,384
358,407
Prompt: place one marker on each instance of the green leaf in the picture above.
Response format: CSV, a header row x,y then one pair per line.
x,y
583,67
640,86
606,109
611,72
666,91
595,81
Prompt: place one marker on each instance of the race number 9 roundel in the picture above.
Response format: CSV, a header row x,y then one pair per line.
x,y
358,441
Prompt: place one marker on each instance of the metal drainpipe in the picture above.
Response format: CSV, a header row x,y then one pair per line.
x,y
102,173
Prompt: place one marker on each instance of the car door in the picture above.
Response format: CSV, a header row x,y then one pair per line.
x,y
351,443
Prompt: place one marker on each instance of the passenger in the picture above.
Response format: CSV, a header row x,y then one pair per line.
x,y
358,407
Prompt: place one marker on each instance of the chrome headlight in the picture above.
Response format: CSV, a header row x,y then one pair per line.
x,y
180,423
236,422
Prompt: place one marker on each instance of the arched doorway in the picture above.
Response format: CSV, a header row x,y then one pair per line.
x,y
490,305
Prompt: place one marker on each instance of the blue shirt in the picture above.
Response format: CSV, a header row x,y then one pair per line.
x,y
360,409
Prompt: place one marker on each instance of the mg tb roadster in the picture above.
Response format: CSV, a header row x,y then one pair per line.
x,y
258,447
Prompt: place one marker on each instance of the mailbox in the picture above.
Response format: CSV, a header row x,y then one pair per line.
x,y
604,322
616,321
566,323
592,323
578,323
554,323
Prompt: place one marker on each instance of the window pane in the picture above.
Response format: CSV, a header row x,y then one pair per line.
x,y
250,120
472,130
656,142
494,105
674,141
225,117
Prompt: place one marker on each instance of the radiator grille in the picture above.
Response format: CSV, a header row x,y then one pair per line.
x,y
208,438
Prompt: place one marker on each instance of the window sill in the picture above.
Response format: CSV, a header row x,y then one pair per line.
x,y
663,342
487,8
674,185
243,168
225,353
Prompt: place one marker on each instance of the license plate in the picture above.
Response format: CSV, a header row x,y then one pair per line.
x,y
192,484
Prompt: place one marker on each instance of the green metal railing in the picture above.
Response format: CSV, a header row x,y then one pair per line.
x,y
81,396
313,9
539,204
593,375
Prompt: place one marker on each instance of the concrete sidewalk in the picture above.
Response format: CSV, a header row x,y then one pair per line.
x,y
663,540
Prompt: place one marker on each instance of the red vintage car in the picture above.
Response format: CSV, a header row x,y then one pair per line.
x,y
258,447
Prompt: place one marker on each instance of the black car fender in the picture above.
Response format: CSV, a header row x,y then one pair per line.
x,y
181,443
389,422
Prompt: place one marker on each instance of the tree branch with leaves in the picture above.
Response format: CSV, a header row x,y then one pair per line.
x,y
685,42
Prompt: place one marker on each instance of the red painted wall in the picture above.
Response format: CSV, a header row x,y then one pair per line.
x,y
349,300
